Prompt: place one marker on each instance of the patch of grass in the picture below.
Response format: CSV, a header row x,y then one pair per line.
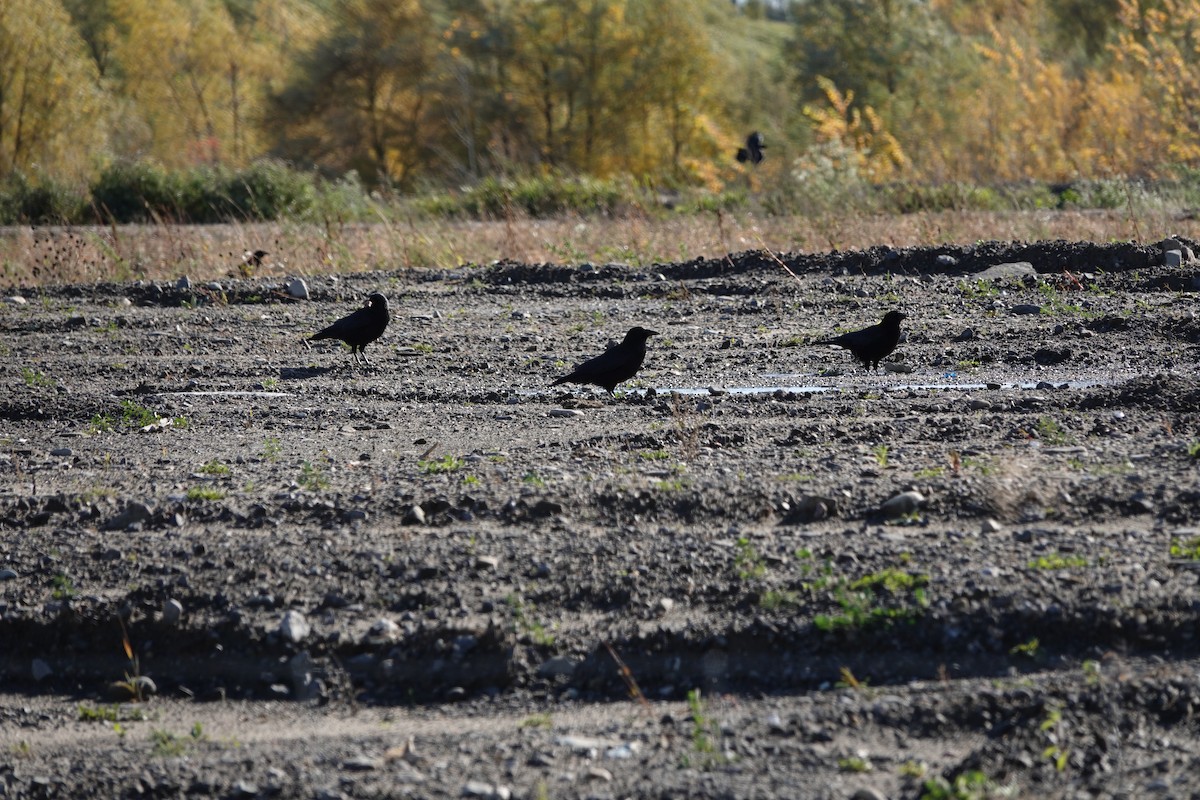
x,y
1029,648
62,587
167,744
271,449
654,455
747,563
971,785
423,348
1049,431
854,764
929,472
36,379
312,477
1057,561
778,599
880,598
216,468
533,479
671,485
978,290
445,464
1186,549
537,721
524,622
136,416
114,713
881,455
199,493
798,477
1193,451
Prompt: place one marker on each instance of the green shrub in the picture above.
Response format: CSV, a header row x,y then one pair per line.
x,y
40,201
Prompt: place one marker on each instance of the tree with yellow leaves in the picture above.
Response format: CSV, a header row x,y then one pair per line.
x,y
50,100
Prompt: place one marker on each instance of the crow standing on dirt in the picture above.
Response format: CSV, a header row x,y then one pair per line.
x,y
616,364
871,345
753,151
360,328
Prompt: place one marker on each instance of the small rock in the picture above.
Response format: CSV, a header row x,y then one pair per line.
x,y
899,367
133,513
486,791
990,526
384,631
1173,258
978,404
183,284
868,794
967,335
414,516
40,670
1026,309
214,286
599,774
8,574
294,627
172,611
565,412
559,666
665,604
360,764
16,300
483,563
1012,269
296,287
946,260
244,789
304,686
62,452
902,504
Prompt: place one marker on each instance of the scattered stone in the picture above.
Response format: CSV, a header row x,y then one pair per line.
x,y
172,611
1049,356
414,516
304,685
902,505
1173,258
599,774
967,335
62,452
484,563
946,260
16,300
134,513
214,286
244,788
665,604
384,631
810,508
296,287
487,791
183,284
361,764
565,412
294,627
898,367
868,794
978,404
40,670
1026,309
7,574
1011,269
558,667
990,526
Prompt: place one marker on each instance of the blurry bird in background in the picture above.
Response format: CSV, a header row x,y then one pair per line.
x,y
753,151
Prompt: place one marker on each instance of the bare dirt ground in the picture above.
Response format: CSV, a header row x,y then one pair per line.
x,y
972,574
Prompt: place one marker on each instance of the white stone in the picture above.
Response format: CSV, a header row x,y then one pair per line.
x,y
296,287
294,627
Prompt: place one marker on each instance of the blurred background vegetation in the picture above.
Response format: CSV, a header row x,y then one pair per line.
x,y
212,110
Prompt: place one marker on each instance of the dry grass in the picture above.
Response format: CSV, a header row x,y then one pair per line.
x,y
33,256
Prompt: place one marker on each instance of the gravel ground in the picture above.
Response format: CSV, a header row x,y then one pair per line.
x,y
759,571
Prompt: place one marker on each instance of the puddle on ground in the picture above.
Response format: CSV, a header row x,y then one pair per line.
x,y
898,387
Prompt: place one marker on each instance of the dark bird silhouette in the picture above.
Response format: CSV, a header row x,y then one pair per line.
x,y
254,258
753,151
360,328
615,365
871,345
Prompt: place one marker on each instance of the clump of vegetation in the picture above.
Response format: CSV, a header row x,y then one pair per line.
x,y
201,493
880,598
445,464
312,477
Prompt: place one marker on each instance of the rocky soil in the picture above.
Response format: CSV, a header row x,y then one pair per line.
x,y
759,571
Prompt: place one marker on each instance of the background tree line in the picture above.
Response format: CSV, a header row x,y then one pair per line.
x,y
414,94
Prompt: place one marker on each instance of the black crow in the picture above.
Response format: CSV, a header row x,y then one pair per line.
x,y
360,328
753,151
616,364
873,344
